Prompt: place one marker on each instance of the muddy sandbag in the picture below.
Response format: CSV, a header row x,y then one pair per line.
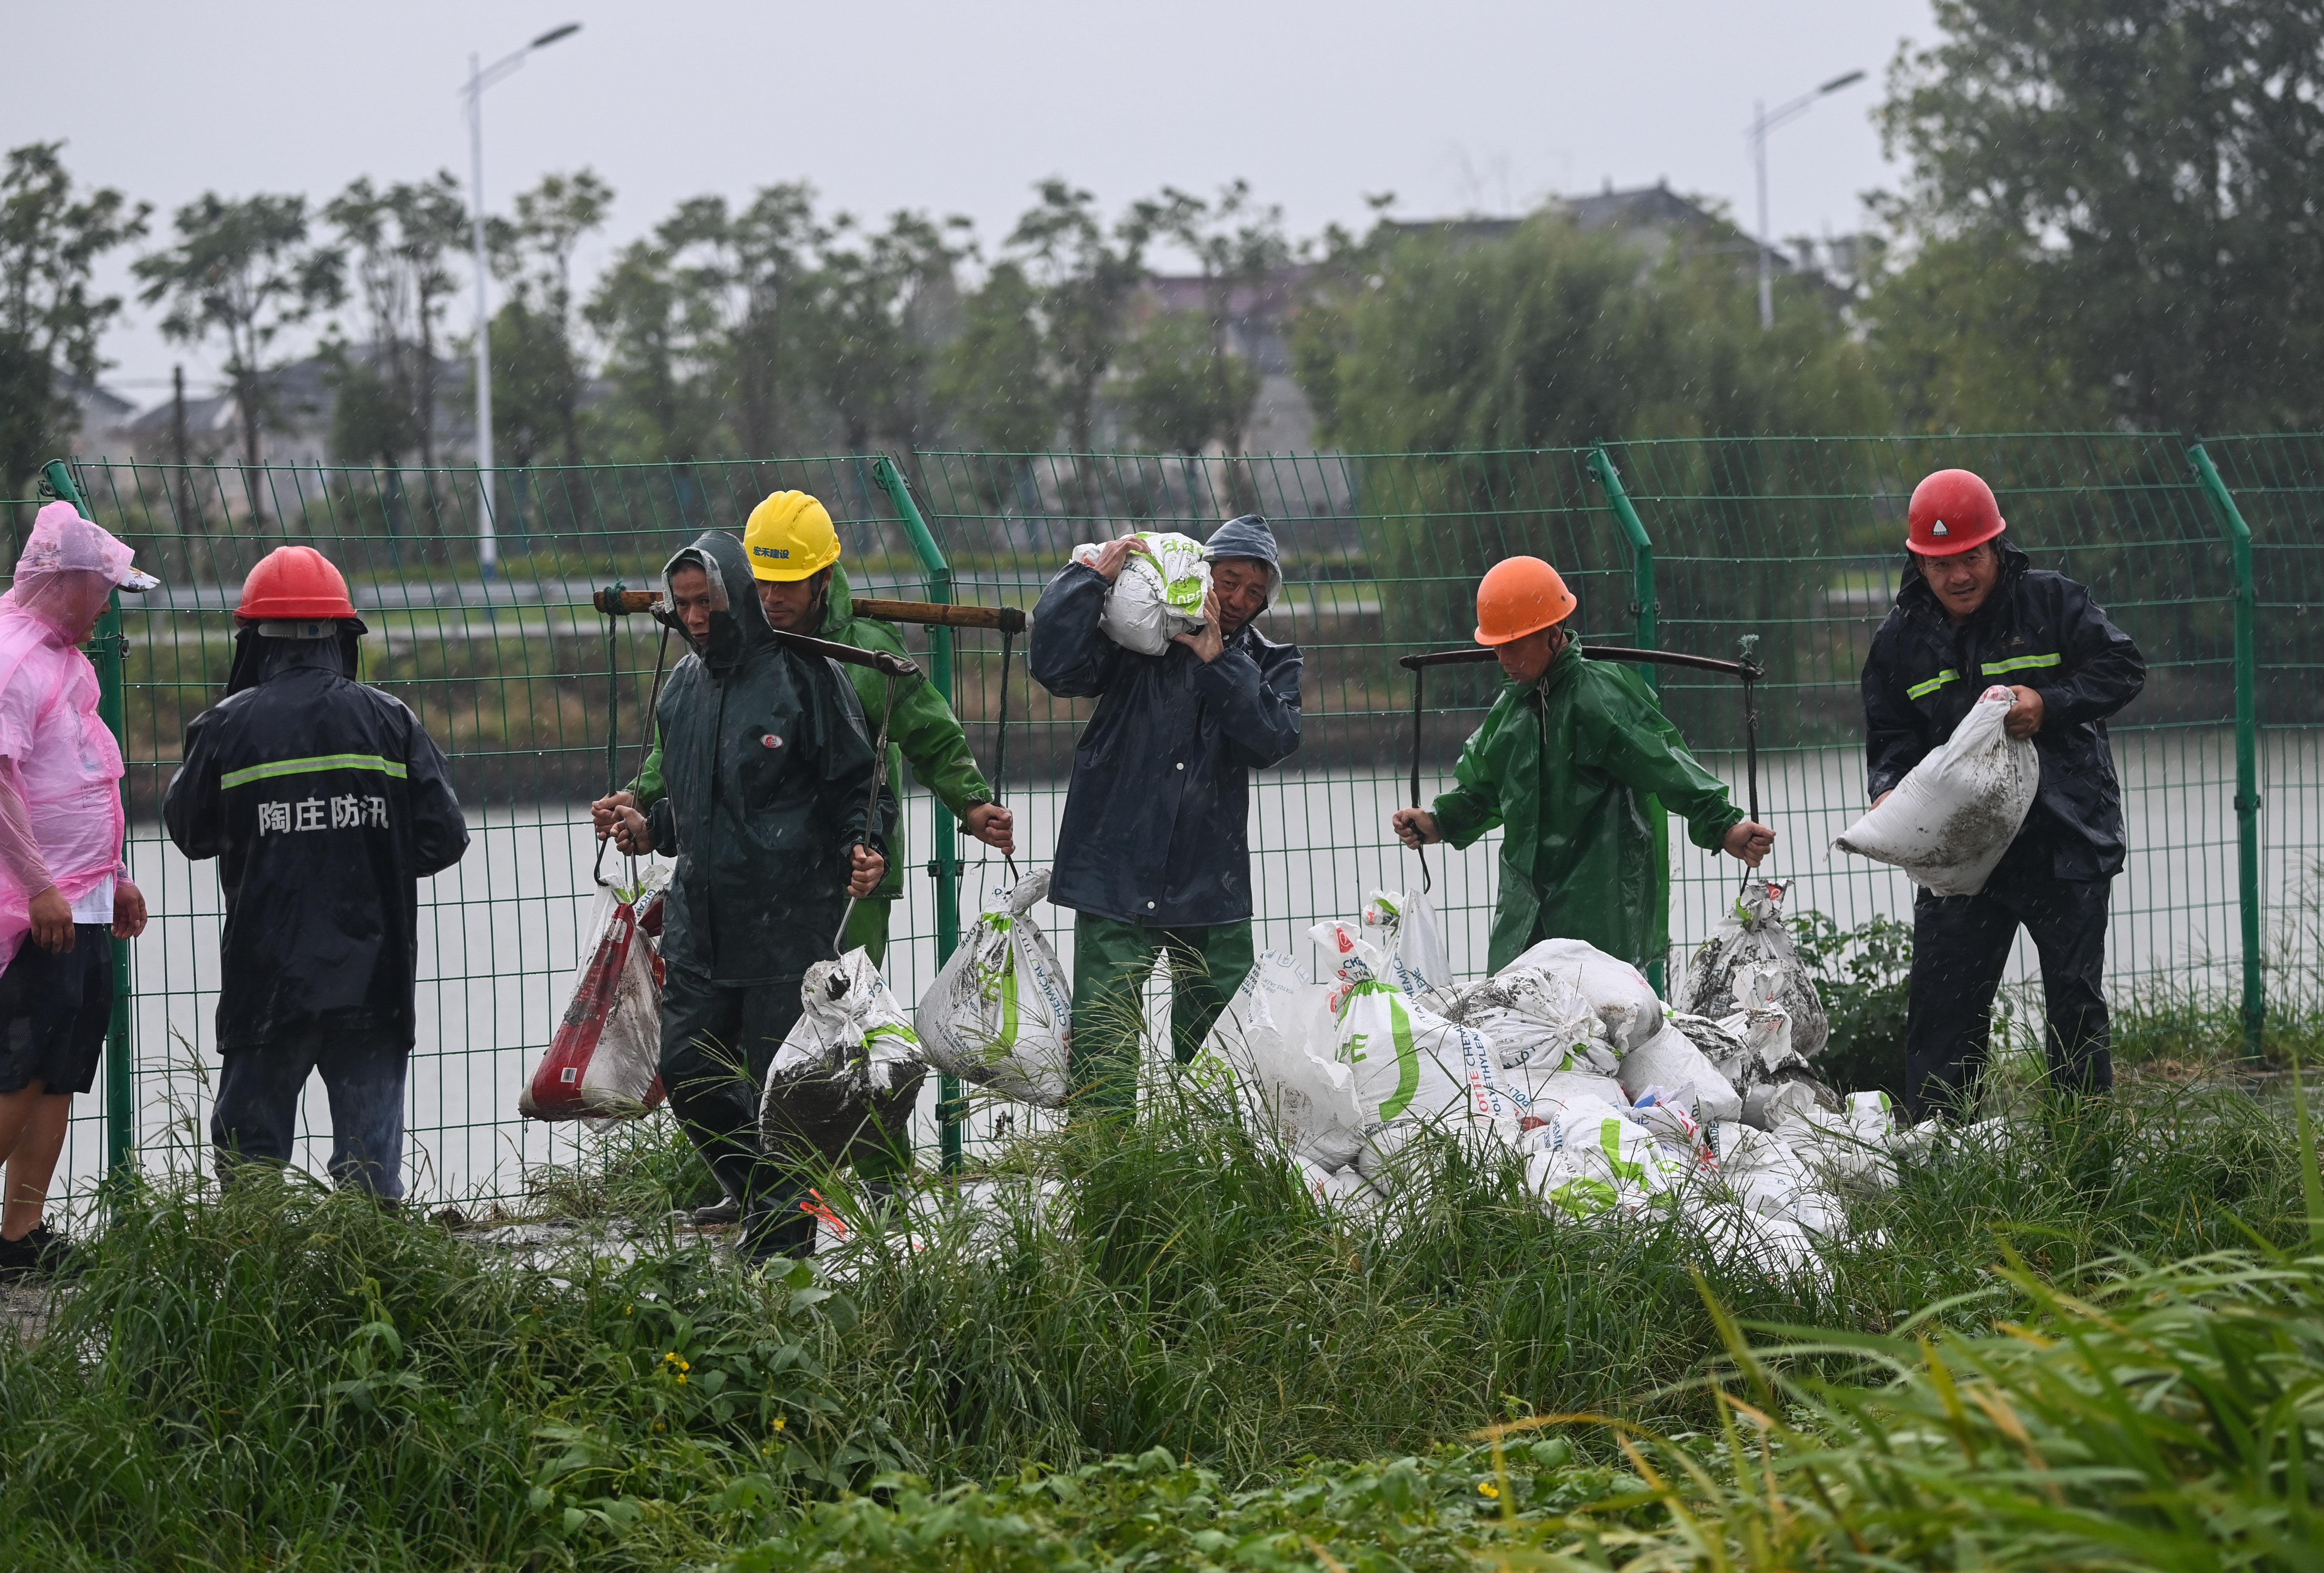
x,y
1669,1061
1591,1160
1751,961
1155,597
1952,817
1618,991
1536,1020
849,1070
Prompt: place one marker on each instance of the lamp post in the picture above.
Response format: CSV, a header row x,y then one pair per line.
x,y
1762,123
480,78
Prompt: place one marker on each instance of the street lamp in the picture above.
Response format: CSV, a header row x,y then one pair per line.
x,y
1761,124
480,78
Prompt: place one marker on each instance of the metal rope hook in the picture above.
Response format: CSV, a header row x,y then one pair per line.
x,y
1001,742
1419,675
871,808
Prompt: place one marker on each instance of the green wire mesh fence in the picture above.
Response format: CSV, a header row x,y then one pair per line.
x,y
539,699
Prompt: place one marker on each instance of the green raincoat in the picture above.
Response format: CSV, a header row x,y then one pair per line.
x,y
922,729
1578,767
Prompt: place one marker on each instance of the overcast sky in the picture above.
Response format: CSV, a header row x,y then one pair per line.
x,y
1456,106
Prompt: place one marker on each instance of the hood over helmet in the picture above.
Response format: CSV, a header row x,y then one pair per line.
x,y
1248,536
738,627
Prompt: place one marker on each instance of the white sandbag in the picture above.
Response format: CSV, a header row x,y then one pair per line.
x,y
849,1027
1536,1020
1770,1177
1334,1189
1275,1050
1540,1093
1738,1237
1852,1143
1154,598
998,1012
1590,1160
1618,991
1413,940
1766,1049
1952,816
1409,1062
1769,1104
1669,1060
1751,960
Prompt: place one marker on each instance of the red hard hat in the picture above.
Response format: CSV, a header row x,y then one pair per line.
x,y
292,583
1952,511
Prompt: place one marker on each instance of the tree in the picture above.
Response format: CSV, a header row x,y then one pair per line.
x,y
990,380
242,270
396,240
747,268
51,319
1180,391
874,317
664,352
1085,277
2151,174
1242,253
1554,337
537,357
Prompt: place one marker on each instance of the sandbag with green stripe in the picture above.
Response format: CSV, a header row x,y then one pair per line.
x,y
997,1013
1955,812
1412,1069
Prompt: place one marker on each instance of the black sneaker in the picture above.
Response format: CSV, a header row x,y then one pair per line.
x,y
39,1254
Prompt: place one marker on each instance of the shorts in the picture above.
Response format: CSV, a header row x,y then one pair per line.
x,y
55,1008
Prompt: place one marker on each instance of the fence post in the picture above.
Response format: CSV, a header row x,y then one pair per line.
x,y
943,830
2239,538
1643,624
108,646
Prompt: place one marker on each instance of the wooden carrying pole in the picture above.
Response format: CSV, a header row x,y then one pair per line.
x,y
928,613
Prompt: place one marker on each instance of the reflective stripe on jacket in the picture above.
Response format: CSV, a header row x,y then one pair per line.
x,y
2040,631
326,803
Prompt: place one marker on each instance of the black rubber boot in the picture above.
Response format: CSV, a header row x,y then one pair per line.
x,y
772,1228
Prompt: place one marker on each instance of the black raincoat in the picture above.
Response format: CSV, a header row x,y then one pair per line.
x,y
1156,828
326,803
769,774
2038,630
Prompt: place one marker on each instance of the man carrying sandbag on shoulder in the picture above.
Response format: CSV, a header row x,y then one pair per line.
x,y
769,814
326,803
1973,612
1573,761
1154,852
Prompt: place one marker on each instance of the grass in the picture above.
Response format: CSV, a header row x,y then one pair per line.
x,y
1175,1348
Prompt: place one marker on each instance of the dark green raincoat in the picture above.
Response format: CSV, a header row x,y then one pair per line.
x,y
768,772
922,729
1578,768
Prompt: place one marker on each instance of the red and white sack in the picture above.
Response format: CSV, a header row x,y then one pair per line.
x,y
605,1062
1956,812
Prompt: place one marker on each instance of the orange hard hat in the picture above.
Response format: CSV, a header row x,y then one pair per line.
x,y
1952,511
1518,596
293,583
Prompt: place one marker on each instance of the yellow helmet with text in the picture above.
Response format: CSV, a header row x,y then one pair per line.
x,y
790,537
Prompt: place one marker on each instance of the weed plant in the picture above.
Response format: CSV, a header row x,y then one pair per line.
x,y
286,1378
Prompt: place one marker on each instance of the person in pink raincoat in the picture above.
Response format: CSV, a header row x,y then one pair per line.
x,y
65,893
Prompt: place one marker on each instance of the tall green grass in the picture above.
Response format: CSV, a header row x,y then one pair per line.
x,y
283,1378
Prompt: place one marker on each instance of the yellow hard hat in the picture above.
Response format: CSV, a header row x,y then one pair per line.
x,y
790,537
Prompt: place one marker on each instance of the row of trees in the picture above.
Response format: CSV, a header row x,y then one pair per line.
x,y
2111,216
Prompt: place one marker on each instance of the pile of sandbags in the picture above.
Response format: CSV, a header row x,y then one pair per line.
x,y
1618,1105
